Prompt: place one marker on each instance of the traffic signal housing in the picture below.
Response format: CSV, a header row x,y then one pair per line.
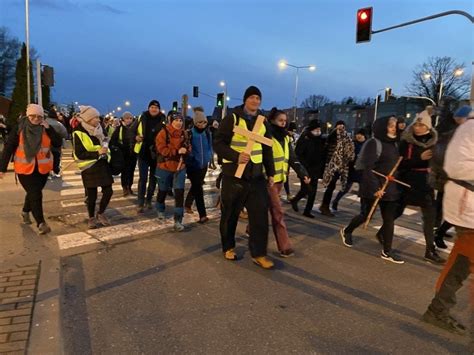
x,y
364,25
220,100
175,106
195,91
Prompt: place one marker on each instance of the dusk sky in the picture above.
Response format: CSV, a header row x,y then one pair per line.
x,y
107,51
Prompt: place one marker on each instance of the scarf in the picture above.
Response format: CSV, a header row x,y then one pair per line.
x,y
32,135
93,131
279,132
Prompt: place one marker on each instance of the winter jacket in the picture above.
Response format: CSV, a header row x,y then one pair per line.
x,y
168,142
370,182
151,126
458,202
310,152
413,170
128,139
354,175
98,174
201,152
222,142
340,154
438,176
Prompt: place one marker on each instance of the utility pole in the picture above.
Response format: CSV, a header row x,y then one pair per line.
x,y
38,80
27,22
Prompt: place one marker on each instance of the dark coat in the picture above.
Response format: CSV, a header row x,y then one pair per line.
x,y
371,183
415,171
128,139
151,127
438,176
98,174
310,151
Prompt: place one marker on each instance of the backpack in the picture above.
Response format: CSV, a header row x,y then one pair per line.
x,y
361,159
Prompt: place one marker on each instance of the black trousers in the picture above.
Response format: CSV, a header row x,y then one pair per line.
x,y
126,178
56,160
388,209
33,184
196,191
307,190
107,193
329,190
235,195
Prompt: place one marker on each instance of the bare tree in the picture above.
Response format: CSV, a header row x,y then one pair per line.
x,y
315,101
9,53
439,74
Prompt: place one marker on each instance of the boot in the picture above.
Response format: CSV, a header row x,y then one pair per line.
x,y
432,256
325,211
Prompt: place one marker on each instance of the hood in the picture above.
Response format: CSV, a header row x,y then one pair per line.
x,y
379,128
410,138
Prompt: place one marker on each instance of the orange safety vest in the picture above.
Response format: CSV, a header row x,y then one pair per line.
x,y
44,158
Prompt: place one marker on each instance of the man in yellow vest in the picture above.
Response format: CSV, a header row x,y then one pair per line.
x,y
251,190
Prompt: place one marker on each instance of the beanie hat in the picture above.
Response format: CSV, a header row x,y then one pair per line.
x,y
313,124
172,115
464,112
362,131
154,103
34,109
292,126
127,114
340,122
400,120
199,116
252,90
424,118
87,113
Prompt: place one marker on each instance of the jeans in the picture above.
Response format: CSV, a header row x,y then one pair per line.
x,y
33,185
146,170
196,191
329,190
167,180
341,193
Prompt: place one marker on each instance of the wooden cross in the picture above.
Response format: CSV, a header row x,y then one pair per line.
x,y
252,138
388,179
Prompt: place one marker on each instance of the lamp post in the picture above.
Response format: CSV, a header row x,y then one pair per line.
x,y
223,84
283,64
377,100
27,24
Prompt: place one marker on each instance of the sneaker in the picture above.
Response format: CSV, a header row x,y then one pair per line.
x,y
140,209
103,220
148,205
230,255
92,223
308,214
379,238
440,243
445,322
433,256
389,256
203,220
346,238
44,228
294,205
178,226
161,216
287,253
325,211
334,206
263,262
188,210
26,217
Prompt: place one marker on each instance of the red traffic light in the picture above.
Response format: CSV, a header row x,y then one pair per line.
x,y
364,25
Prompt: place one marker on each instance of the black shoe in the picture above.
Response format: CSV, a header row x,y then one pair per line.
x,y
334,206
170,193
389,256
346,238
325,211
379,238
440,243
308,214
432,256
445,322
294,205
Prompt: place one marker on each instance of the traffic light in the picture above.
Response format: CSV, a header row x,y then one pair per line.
x,y
175,106
195,91
220,100
47,76
388,93
364,25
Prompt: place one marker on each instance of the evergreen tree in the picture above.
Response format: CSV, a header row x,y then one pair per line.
x,y
20,97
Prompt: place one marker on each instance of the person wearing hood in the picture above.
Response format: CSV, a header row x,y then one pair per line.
x,y
340,152
310,152
283,156
52,119
416,148
173,146
31,146
92,155
148,125
380,153
401,125
250,191
197,163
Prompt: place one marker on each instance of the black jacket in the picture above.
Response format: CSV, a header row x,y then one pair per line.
x,y
128,139
310,150
151,127
371,183
223,138
14,139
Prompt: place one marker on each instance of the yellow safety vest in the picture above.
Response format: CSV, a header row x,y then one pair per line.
x,y
138,145
239,142
281,155
90,147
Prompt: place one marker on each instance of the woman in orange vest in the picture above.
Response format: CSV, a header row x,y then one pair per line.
x,y
30,145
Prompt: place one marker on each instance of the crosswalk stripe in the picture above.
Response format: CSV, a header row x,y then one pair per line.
x,y
406,212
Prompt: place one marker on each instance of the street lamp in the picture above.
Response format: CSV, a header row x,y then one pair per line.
x,y
377,100
127,103
119,108
283,64
223,84
427,76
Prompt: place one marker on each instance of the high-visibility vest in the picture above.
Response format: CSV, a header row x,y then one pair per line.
x,y
90,147
281,155
239,142
138,145
120,138
43,158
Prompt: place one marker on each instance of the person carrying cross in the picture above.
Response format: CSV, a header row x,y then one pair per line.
x,y
250,190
